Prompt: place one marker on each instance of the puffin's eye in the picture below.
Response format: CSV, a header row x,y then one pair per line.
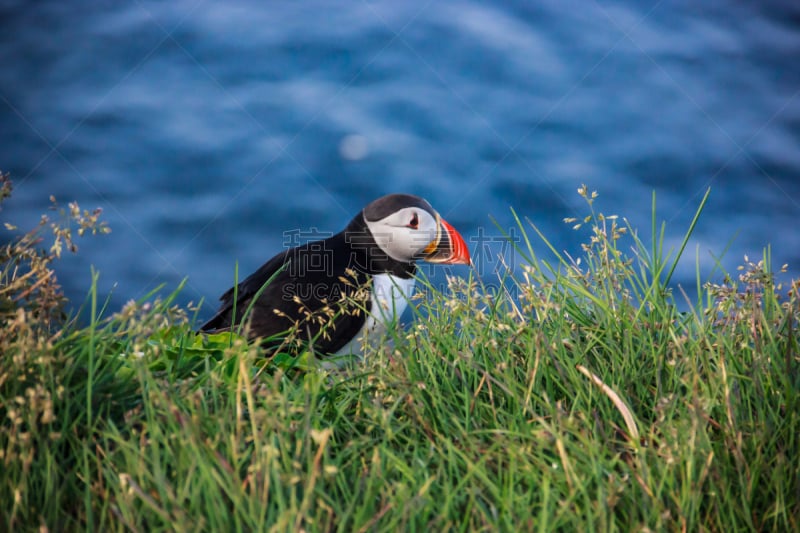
x,y
414,224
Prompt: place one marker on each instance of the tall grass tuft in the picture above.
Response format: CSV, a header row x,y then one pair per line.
x,y
575,393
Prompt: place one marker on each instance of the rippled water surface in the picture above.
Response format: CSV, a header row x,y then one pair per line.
x,y
207,130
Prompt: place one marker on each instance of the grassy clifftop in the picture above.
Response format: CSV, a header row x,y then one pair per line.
x,y
578,399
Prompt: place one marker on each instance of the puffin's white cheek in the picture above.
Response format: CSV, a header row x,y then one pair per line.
x,y
417,241
403,244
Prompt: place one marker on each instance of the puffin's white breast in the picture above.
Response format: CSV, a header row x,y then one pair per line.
x,y
389,298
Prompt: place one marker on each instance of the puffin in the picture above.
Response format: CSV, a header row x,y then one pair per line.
x,y
334,296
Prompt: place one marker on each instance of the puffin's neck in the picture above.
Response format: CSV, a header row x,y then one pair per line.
x,y
367,256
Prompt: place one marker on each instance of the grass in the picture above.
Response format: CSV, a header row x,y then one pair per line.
x,y
584,396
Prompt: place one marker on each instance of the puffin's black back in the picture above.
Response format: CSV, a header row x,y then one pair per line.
x,y
315,290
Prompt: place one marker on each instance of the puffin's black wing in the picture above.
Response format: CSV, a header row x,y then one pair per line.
x,y
313,290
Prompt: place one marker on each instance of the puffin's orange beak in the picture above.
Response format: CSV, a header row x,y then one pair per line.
x,y
449,248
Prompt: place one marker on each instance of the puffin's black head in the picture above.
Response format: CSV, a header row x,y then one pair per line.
x,y
407,228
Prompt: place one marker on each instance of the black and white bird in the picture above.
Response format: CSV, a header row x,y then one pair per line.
x,y
333,293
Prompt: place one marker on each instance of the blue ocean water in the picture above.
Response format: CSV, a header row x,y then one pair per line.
x,y
212,133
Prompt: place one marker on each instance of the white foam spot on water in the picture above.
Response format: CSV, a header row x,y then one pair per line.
x,y
353,147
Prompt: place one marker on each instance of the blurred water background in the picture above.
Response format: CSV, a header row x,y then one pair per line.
x,y
215,132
